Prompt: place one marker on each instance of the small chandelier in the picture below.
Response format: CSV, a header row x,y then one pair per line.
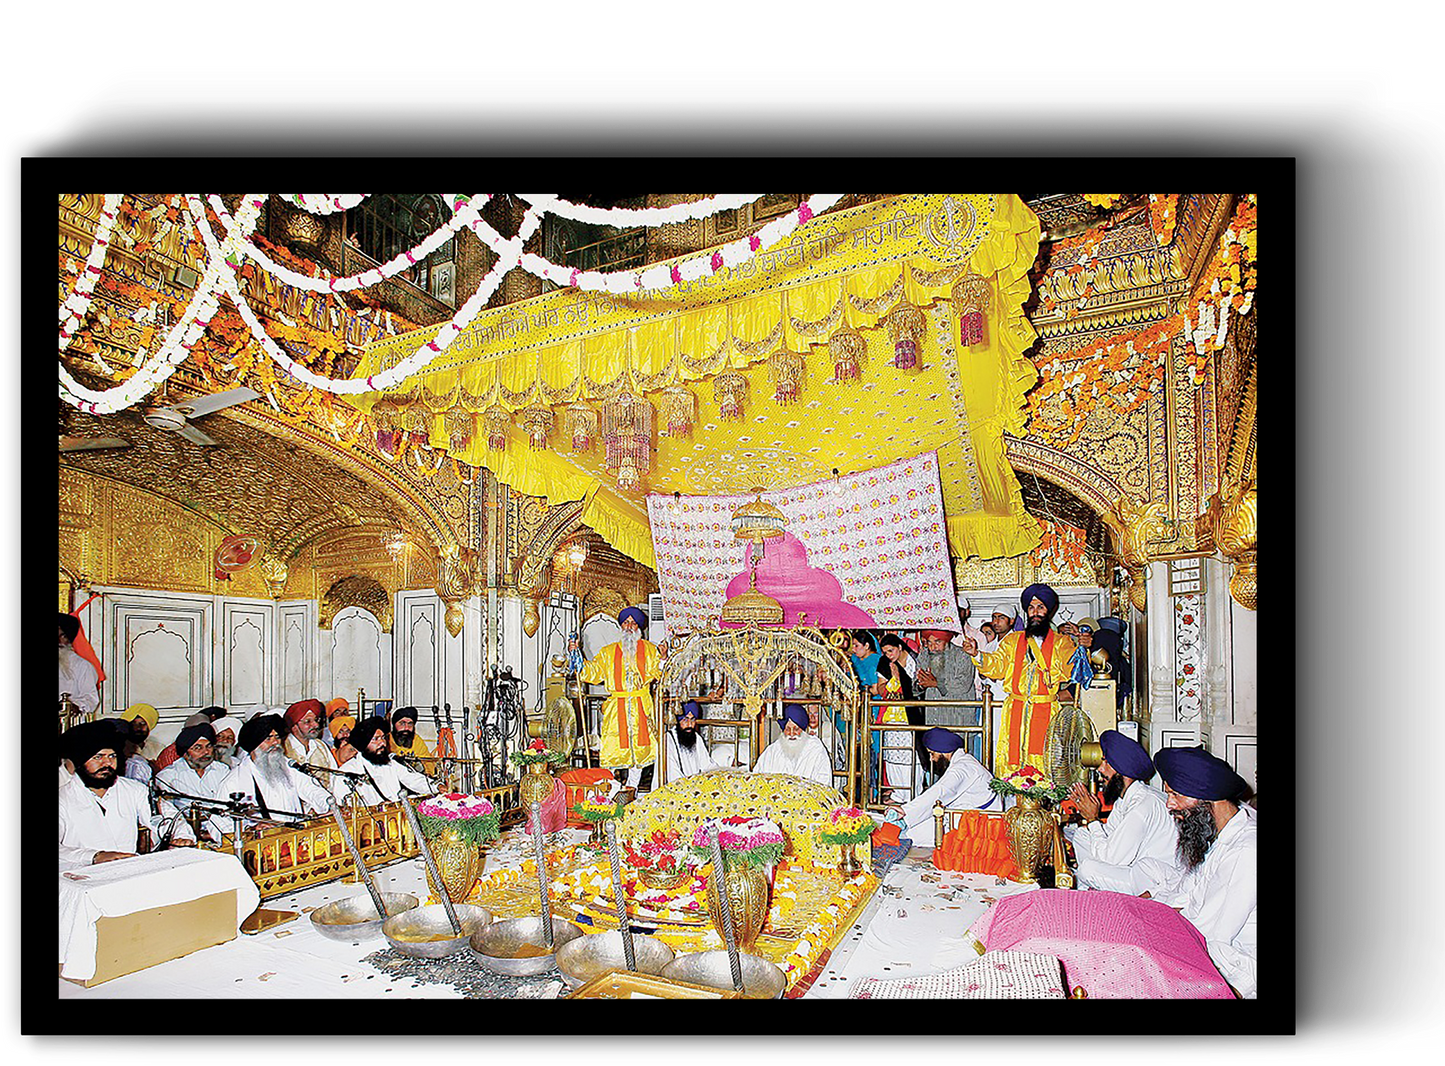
x,y
730,389
905,327
581,426
627,437
679,408
970,301
538,421
498,422
847,347
787,370
758,522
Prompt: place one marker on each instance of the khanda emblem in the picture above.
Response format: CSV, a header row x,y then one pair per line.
x,y
950,226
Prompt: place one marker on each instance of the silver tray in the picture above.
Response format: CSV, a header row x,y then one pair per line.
x,y
355,919
588,956
495,946
432,920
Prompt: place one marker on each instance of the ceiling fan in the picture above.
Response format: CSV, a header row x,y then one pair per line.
x,y
165,415
176,416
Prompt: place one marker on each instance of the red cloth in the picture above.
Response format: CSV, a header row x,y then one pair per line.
x,y
579,782
1115,946
554,810
165,758
82,646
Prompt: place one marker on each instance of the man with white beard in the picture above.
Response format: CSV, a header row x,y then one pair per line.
x,y
266,778
388,778
627,667
196,772
687,752
78,678
227,729
795,752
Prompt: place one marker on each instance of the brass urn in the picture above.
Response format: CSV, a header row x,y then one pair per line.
x,y
848,864
664,880
536,784
747,891
1030,836
458,861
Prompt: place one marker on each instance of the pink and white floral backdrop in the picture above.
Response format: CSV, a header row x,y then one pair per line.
x,y
867,550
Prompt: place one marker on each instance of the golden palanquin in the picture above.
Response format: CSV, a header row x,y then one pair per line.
x,y
798,807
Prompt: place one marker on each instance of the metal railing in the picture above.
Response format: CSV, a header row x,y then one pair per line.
x,y
983,730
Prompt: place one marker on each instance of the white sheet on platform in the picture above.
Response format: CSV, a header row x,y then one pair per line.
x,y
144,882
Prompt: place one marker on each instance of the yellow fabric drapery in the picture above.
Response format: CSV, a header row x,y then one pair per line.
x,y
845,270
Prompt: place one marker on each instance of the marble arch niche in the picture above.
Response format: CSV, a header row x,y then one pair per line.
x,y
358,611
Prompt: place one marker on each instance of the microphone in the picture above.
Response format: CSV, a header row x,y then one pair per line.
x,y
312,771
155,797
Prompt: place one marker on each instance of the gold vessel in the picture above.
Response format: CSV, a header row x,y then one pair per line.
x,y
536,784
848,864
664,880
747,891
460,863
1030,836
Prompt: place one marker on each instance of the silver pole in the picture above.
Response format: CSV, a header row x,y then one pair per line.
x,y
623,922
431,864
356,858
725,905
542,873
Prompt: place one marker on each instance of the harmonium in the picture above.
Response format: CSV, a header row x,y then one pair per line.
x,y
287,857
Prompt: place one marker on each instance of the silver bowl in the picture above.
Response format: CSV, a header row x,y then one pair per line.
x,y
405,930
355,919
590,956
761,979
496,946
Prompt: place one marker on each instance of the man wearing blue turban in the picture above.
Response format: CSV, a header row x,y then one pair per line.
x,y
962,782
627,667
1218,849
795,752
1034,664
1139,826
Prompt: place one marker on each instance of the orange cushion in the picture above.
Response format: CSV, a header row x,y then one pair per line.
x,y
886,835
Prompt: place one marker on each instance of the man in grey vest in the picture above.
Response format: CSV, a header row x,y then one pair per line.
x,y
945,671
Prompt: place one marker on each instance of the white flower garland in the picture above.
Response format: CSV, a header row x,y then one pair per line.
x,y
324,203
464,216
178,342
236,243
637,216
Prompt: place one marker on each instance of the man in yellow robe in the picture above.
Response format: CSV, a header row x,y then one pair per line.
x,y
627,668
1032,663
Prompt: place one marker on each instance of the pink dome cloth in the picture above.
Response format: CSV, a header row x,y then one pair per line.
x,y
554,810
1116,946
785,575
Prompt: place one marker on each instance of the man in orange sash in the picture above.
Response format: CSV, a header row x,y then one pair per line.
x,y
627,668
1034,663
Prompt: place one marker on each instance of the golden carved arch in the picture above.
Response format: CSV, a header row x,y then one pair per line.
x,y
356,590
536,559
602,600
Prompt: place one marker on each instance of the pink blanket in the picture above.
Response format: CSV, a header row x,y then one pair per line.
x,y
554,810
1115,946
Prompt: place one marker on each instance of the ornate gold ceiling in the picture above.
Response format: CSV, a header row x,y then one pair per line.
x,y
275,489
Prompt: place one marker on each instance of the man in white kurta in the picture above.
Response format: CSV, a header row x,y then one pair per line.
x,y
196,772
1139,825
1218,849
264,776
78,678
303,742
687,752
101,812
795,752
387,777
962,782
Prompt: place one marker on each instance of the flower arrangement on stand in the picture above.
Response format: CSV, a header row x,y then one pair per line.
x,y
749,846
537,783
1030,825
660,861
598,810
457,828
847,827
